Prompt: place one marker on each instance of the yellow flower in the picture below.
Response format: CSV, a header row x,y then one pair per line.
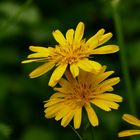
x,y
74,94
71,50
132,120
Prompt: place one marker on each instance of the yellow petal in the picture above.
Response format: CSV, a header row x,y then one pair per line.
x,y
77,118
104,103
101,77
63,112
51,111
92,116
64,83
92,45
66,120
100,104
38,55
59,37
131,119
88,65
104,38
64,90
38,49
52,102
109,97
106,49
96,36
57,95
69,76
103,89
93,41
66,87
128,133
95,65
83,75
111,104
109,89
102,70
79,32
74,69
69,36
42,69
109,82
57,74
41,52
31,60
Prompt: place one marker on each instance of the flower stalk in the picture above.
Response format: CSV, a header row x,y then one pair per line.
x,y
123,57
79,136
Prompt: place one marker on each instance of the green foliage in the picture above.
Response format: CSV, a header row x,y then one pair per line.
x,y
36,133
5,131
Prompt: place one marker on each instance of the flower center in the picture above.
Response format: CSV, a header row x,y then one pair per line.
x,y
81,93
69,54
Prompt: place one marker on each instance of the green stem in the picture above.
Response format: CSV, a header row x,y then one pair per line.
x,y
76,132
89,131
13,19
124,62
92,133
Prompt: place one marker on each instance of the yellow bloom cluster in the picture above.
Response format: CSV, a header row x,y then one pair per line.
x,y
83,82
74,94
71,52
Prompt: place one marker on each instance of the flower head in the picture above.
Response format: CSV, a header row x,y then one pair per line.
x,y
132,120
72,51
74,94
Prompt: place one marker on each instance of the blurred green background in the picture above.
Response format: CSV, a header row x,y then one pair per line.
x,y
31,22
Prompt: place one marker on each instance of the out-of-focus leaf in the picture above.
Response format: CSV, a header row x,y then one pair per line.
x,y
43,31
5,130
9,55
38,133
4,87
8,8
132,26
29,16
83,11
133,49
110,120
21,108
137,89
9,23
